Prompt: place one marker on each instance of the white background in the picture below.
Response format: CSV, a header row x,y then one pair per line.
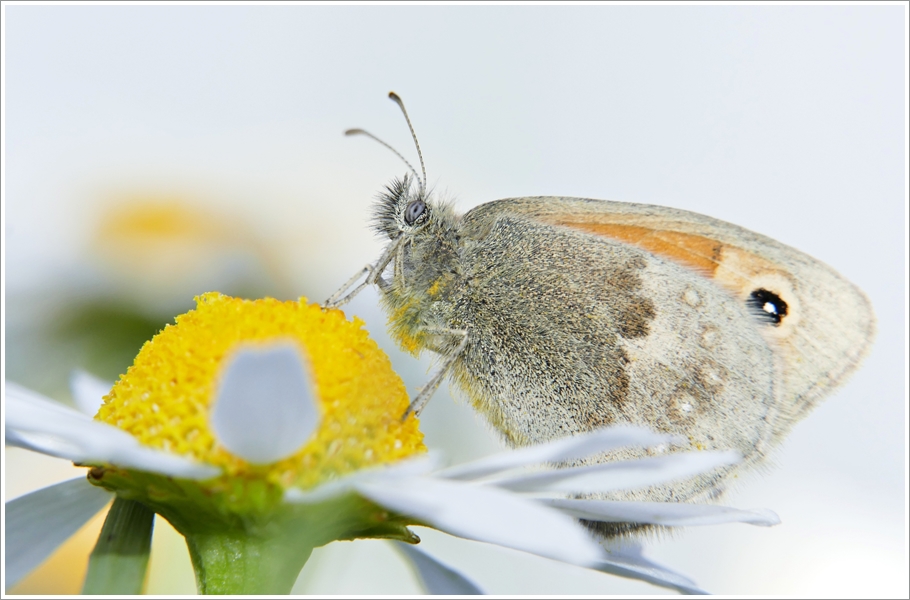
x,y
788,120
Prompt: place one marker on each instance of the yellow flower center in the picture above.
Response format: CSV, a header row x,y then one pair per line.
x,y
164,399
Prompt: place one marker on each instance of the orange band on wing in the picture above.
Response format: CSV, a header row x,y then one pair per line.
x,y
700,253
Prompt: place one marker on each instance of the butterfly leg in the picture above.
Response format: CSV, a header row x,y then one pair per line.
x,y
421,399
374,276
336,299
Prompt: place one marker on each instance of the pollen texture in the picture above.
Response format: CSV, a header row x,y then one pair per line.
x,y
165,397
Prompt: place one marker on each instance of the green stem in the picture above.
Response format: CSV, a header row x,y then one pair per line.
x,y
237,563
117,564
266,557
244,538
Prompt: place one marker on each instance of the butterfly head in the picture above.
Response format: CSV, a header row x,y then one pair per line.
x,y
402,207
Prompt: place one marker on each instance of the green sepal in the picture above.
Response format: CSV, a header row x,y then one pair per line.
x,y
243,538
118,563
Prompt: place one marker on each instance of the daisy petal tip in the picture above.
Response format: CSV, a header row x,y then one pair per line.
x,y
182,468
559,450
729,457
88,391
131,455
486,514
438,578
764,517
265,408
629,561
320,494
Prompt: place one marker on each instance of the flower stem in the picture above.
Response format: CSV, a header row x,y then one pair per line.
x,y
266,556
236,563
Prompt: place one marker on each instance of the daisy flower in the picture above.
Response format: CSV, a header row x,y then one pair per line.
x,y
263,429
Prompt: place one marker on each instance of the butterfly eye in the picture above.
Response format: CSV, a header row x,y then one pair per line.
x,y
769,307
414,211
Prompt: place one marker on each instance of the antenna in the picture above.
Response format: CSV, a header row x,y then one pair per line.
x,y
423,169
395,98
397,153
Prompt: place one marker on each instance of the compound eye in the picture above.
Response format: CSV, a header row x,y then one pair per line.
x,y
414,210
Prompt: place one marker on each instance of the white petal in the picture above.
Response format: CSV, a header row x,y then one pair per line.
x,y
569,448
45,426
486,514
661,513
631,474
411,467
265,408
438,579
628,561
88,391
37,523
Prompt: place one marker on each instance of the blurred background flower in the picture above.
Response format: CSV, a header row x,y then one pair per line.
x,y
144,258
787,120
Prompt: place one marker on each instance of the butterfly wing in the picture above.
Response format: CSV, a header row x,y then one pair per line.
x,y
820,325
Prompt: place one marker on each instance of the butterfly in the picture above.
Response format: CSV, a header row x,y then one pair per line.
x,y
556,316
